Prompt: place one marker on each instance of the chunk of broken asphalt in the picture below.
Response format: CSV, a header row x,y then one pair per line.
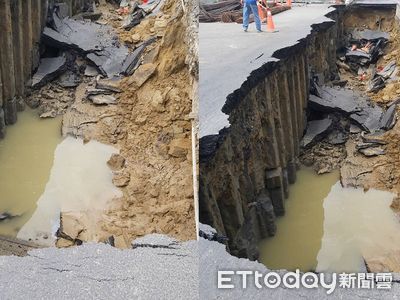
x,y
110,60
49,69
350,104
389,118
316,130
96,41
132,60
336,100
368,118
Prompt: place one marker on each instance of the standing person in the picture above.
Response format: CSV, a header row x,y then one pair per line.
x,y
250,6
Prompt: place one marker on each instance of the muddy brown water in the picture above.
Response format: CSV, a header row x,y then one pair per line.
x,y
357,225
80,182
43,174
299,232
329,228
26,157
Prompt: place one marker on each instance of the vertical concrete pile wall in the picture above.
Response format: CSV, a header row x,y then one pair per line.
x,y
21,24
245,170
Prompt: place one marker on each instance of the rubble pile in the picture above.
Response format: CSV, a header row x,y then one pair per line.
x,y
339,115
78,49
364,49
363,103
130,88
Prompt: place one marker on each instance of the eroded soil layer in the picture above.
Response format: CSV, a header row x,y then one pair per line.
x,y
146,114
151,125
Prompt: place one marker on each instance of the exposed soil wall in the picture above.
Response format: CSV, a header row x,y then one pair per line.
x,y
245,171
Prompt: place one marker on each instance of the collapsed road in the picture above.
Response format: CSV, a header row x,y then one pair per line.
x,y
103,272
123,95
321,93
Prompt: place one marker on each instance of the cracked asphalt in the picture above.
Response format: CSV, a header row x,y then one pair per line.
x,y
99,271
227,56
158,267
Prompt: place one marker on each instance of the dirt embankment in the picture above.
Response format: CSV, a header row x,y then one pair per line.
x,y
357,170
383,172
156,143
151,125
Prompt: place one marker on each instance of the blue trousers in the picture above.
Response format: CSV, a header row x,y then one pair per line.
x,y
247,10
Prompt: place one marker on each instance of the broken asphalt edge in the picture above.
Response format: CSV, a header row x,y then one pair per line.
x,y
211,143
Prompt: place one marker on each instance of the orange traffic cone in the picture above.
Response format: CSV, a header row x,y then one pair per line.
x,y
261,13
270,22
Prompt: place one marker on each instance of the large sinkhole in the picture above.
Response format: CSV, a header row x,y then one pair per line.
x,y
306,176
341,213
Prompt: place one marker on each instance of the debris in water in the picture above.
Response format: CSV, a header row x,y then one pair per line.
x,y
6,216
80,183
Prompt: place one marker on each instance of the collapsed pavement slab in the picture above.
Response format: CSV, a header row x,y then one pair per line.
x,y
342,100
97,42
368,118
350,104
